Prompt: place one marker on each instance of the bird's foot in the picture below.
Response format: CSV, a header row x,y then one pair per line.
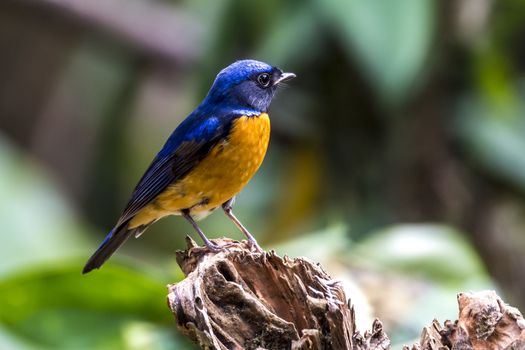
x,y
213,247
210,246
252,243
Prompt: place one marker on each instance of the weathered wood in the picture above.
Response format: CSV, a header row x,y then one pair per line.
x,y
485,323
242,299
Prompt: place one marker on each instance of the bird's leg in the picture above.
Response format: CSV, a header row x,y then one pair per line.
x,y
227,207
212,246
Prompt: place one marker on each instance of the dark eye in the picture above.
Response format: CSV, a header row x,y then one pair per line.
x,y
263,79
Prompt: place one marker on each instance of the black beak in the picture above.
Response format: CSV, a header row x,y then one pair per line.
x,y
284,77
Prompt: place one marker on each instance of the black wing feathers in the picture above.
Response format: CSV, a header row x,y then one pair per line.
x,y
165,170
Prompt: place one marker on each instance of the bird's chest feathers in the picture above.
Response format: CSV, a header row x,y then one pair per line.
x,y
237,158
226,169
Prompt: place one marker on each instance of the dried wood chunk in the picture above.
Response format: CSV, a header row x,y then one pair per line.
x,y
241,299
485,323
238,298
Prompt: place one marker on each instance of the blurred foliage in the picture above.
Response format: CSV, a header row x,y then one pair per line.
x,y
38,206
390,38
56,307
495,136
46,302
399,147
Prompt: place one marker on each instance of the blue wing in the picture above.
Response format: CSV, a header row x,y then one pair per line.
x,y
184,149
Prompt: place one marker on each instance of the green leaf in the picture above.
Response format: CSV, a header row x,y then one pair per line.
x,y
494,137
294,38
428,250
57,307
390,39
37,224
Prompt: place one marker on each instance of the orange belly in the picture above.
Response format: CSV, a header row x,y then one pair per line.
x,y
218,177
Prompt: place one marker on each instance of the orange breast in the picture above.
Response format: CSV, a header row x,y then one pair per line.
x,y
218,177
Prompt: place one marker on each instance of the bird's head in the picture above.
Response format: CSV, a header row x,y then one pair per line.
x,y
247,84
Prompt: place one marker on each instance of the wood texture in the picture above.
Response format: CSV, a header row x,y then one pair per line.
x,y
241,299
485,323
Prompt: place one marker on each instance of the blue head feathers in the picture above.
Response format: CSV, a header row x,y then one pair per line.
x,y
246,84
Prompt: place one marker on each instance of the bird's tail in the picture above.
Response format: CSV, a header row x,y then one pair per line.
x,y
111,243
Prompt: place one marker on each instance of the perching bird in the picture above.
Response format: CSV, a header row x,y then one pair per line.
x,y
207,160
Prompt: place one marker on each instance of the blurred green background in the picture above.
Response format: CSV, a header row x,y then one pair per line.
x,y
397,156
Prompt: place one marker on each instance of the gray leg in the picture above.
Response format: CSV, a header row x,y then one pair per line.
x,y
212,246
227,207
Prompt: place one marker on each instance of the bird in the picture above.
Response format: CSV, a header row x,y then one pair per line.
x,y
207,160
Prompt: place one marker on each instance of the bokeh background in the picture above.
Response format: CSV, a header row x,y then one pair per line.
x,y
397,156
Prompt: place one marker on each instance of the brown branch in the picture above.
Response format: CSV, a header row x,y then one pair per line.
x,y
241,299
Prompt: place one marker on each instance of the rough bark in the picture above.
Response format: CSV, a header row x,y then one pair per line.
x,y
485,322
241,299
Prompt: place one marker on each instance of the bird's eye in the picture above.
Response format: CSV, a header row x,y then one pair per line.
x,y
263,79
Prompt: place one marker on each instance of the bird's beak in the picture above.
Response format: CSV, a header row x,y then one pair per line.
x,y
284,77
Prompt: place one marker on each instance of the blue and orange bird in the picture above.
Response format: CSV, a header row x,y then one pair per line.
x,y
207,160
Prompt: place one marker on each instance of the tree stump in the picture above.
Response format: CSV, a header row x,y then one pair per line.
x,y
241,299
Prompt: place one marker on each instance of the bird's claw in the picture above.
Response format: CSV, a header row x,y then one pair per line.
x,y
208,247
253,245
211,246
